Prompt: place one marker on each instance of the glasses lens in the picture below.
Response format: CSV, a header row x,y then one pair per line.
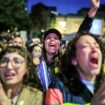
x,y
16,62
3,62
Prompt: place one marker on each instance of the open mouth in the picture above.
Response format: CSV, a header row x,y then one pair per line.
x,y
9,75
94,61
52,45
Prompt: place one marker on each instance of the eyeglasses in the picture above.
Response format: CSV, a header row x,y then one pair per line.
x,y
16,62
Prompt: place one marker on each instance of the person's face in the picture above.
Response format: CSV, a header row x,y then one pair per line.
x,y
52,43
37,51
12,69
18,42
88,57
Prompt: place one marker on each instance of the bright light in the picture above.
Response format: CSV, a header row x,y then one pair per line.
x,y
62,24
96,27
54,12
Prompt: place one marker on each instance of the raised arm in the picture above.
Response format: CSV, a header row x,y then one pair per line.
x,y
95,4
87,22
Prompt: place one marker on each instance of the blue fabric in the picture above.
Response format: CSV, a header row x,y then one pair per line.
x,y
69,96
43,74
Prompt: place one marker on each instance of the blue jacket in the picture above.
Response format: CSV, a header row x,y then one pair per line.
x,y
68,95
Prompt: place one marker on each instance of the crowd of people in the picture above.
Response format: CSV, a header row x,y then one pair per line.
x,y
38,73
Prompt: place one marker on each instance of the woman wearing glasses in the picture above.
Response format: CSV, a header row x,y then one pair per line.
x,y
18,84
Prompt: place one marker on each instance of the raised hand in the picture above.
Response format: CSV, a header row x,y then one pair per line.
x,y
99,97
4,99
95,3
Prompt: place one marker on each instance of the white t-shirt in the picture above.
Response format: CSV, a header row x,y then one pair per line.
x,y
89,85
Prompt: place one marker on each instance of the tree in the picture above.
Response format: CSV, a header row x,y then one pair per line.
x,y
42,18
13,16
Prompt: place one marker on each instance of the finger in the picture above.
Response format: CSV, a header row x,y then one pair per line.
x,y
1,88
102,88
9,93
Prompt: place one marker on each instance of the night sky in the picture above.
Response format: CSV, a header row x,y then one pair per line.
x,y
64,6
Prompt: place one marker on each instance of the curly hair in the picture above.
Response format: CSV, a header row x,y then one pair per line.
x,y
70,72
30,78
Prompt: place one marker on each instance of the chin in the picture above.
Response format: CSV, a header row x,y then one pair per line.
x,y
10,83
95,72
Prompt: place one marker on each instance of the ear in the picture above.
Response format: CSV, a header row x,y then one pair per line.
x,y
74,61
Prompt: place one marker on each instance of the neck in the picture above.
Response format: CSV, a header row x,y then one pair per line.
x,y
88,77
50,56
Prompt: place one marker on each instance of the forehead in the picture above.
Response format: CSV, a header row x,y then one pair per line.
x,y
86,39
37,48
17,39
12,55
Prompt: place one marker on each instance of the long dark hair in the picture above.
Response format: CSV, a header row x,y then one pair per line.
x,y
69,70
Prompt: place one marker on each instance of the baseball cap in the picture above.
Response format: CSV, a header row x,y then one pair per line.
x,y
55,31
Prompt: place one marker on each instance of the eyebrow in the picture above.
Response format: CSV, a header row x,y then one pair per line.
x,y
13,58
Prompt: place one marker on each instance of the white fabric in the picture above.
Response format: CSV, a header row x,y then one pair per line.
x,y
89,85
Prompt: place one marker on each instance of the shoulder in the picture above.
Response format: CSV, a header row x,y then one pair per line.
x,y
32,92
54,94
30,96
57,83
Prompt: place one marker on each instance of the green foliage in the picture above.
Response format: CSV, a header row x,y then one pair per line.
x,y
41,17
13,15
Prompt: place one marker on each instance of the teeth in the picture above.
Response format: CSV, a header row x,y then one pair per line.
x,y
52,45
9,74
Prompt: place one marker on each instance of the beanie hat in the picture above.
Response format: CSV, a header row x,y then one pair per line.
x,y
55,31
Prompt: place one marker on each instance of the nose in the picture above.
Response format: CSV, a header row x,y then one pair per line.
x,y
93,47
52,38
9,65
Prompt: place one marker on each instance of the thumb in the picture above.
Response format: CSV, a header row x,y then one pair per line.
x,y
9,93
